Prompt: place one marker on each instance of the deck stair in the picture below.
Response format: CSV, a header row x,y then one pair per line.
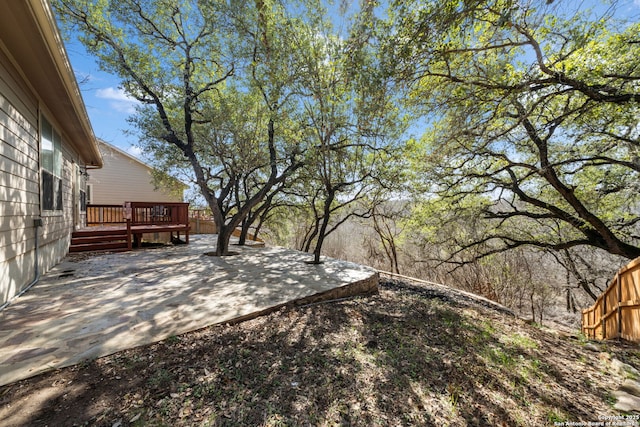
x,y
98,240
121,227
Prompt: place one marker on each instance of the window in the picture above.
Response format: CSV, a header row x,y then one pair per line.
x,y
89,193
51,152
83,201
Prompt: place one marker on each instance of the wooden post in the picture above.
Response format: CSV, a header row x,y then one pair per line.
x,y
127,216
129,244
619,307
604,314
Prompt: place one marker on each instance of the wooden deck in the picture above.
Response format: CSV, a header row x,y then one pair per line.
x,y
120,227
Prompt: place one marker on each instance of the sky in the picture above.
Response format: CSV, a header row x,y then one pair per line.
x,y
108,106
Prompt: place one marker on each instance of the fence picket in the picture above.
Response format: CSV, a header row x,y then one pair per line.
x,y
626,280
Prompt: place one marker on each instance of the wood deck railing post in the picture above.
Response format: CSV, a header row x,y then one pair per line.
x,y
128,216
129,243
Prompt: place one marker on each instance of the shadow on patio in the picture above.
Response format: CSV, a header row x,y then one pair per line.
x,y
87,307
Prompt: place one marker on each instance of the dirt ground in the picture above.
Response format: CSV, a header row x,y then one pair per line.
x,y
410,355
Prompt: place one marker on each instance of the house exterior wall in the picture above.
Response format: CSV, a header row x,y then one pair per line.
x,y
19,182
21,113
124,179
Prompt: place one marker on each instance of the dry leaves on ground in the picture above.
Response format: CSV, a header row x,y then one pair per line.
x,y
407,356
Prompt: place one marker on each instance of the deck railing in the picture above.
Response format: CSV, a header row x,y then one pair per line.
x,y
105,214
156,213
140,213
200,214
142,217
616,313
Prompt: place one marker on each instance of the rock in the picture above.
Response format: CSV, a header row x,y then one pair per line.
x,y
617,366
591,347
626,402
625,369
604,356
631,386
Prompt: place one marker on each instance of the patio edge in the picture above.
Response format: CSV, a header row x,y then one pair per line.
x,y
364,287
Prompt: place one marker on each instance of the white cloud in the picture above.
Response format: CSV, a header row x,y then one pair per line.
x,y
116,94
119,100
135,151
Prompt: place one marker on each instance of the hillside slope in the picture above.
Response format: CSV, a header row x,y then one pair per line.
x,y
408,356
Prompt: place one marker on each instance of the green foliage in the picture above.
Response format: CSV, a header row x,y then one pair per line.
x,y
351,129
298,117
241,96
216,84
167,183
161,379
533,133
555,416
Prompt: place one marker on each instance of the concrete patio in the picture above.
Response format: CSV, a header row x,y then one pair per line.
x,y
87,307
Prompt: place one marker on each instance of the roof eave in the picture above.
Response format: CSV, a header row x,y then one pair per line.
x,y
81,133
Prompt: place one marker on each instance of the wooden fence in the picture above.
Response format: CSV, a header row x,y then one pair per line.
x,y
616,313
202,226
207,226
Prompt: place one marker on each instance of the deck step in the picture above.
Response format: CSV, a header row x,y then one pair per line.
x,y
97,232
103,246
97,239
115,238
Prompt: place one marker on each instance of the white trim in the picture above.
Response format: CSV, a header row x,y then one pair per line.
x,y
57,173
45,19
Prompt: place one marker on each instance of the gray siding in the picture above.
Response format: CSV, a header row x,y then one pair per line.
x,y
20,188
19,182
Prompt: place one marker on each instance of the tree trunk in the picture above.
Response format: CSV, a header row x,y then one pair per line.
x,y
244,231
394,252
323,228
261,220
318,249
533,307
224,234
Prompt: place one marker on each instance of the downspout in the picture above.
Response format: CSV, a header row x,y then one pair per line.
x,y
37,223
